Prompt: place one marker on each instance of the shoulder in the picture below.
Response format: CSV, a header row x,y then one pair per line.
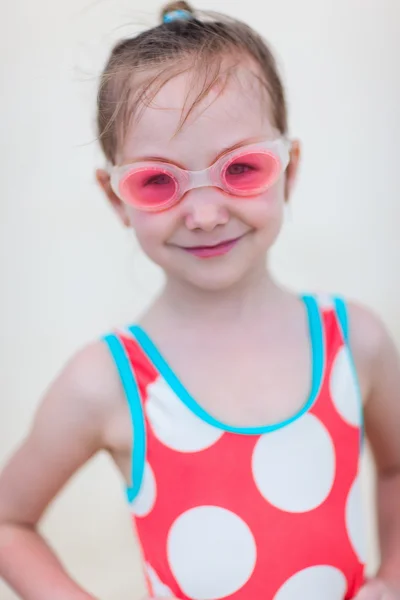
x,y
85,392
368,334
369,341
90,372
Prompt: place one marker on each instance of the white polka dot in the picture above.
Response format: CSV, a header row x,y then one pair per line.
x,y
355,522
294,467
144,502
160,590
325,302
219,544
344,388
174,424
314,583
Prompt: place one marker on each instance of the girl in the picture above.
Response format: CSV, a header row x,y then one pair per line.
x,y
243,482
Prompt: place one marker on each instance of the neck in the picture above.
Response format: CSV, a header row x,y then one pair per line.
x,y
242,302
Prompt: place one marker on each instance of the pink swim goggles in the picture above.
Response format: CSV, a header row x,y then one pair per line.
x,y
247,171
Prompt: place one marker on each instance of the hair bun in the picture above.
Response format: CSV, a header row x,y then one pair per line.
x,y
177,11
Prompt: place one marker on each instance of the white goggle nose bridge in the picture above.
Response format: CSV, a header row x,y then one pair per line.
x,y
191,180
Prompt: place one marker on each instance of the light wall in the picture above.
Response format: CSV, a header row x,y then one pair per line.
x,y
69,272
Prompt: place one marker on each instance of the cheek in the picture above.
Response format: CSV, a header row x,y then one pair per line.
x,y
266,211
152,229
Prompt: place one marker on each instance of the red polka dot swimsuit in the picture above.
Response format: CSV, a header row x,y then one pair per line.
x,y
268,513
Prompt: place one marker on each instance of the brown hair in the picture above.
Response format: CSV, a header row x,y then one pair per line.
x,y
138,67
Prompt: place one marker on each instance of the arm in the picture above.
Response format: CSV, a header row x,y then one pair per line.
x,y
67,432
379,366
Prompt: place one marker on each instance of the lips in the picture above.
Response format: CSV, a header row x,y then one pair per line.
x,y
212,251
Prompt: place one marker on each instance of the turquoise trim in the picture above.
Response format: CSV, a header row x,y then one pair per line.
x,y
129,384
317,351
343,316
341,311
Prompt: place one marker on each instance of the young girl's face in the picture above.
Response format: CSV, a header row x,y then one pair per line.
x,y
239,230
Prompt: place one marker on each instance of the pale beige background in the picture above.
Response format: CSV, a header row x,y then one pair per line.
x,y
69,272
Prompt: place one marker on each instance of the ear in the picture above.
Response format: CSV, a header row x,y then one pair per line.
x,y
103,179
292,169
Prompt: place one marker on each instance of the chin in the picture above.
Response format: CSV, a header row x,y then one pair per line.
x,y
211,284
211,276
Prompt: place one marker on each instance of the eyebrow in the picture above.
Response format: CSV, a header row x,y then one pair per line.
x,y
245,142
226,150
161,159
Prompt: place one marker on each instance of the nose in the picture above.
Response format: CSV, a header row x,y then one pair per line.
x,y
205,209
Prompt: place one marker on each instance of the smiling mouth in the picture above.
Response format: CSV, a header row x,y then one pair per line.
x,y
212,251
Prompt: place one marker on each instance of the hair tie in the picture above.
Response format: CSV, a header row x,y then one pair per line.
x,y
177,15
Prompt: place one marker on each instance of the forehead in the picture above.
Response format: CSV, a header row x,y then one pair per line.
x,y
236,109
